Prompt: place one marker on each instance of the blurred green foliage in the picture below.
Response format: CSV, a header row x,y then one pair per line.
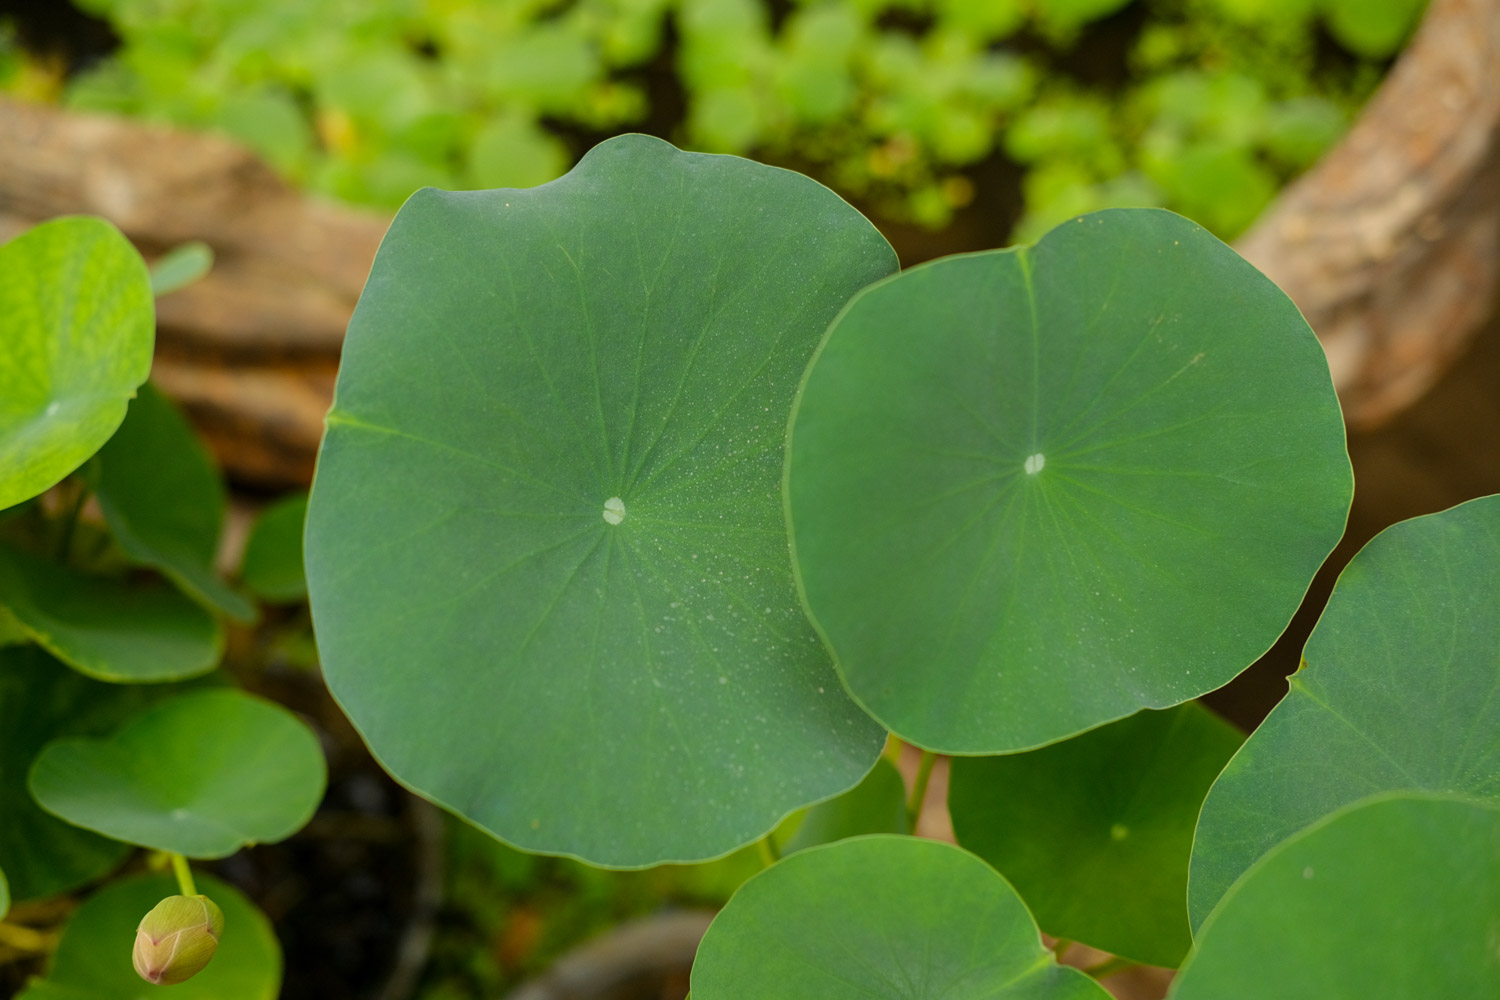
x,y
509,915
1215,104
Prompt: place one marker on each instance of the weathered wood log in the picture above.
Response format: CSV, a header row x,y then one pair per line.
x,y
1390,245
648,957
252,349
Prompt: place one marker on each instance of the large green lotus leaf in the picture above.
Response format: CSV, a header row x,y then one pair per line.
x,y
164,500
41,699
77,326
1396,897
1400,691
106,627
1095,832
203,774
272,567
545,547
880,916
93,959
1035,490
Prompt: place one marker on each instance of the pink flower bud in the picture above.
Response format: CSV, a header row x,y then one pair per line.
x,y
177,938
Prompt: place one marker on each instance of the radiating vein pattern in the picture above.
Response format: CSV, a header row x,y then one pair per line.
x,y
546,548
1035,490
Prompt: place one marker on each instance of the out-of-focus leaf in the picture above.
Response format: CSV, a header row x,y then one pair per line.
x,y
272,565
512,151
180,267
1375,29
165,501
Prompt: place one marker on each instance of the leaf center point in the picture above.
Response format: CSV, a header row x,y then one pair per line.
x,y
614,510
1034,463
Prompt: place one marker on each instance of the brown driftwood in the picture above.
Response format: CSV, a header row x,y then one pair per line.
x,y
1390,245
252,349
649,957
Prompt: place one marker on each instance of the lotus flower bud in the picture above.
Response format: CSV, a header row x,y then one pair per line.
x,y
177,938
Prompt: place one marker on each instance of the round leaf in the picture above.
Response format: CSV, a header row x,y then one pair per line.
x,y
1393,898
880,916
105,627
545,548
1400,692
40,699
1034,490
1095,832
272,566
77,325
164,500
93,958
203,775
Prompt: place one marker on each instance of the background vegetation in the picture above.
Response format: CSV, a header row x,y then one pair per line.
x,y
1203,106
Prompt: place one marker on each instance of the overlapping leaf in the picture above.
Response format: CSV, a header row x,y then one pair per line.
x,y
1400,692
1395,897
1095,832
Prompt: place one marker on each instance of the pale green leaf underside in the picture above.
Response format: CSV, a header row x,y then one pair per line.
x,y
880,916
1401,692
203,774
93,958
545,549
1095,832
1396,897
77,327
1034,490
